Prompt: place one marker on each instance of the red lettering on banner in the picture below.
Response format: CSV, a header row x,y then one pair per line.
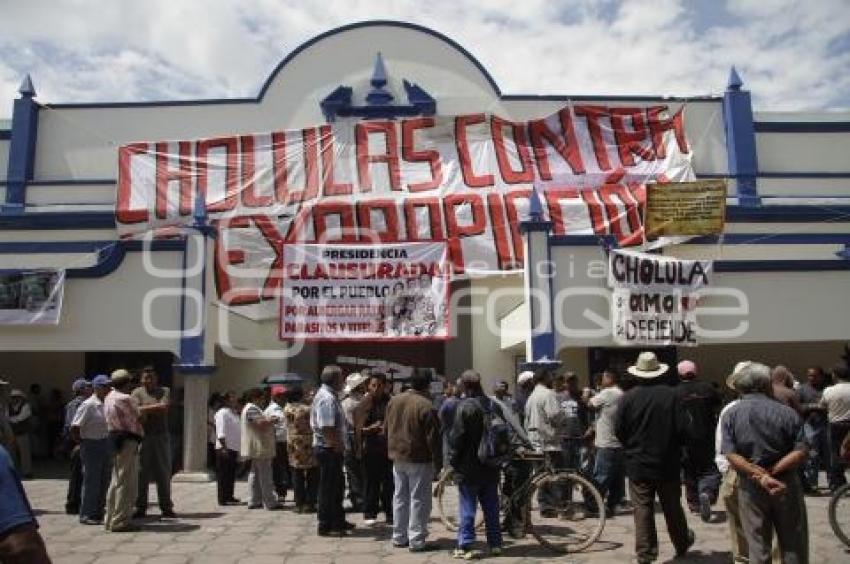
x,y
435,218
556,212
225,257
390,212
592,114
509,175
496,206
275,240
331,186
629,142
513,220
123,211
165,175
594,209
658,125
344,210
469,177
455,231
432,156
365,158
566,146
283,191
249,197
231,180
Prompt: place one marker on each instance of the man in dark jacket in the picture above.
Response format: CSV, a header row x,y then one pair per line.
x,y
701,403
477,483
413,443
650,424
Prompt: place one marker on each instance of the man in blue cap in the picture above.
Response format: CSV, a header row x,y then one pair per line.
x,y
82,391
89,428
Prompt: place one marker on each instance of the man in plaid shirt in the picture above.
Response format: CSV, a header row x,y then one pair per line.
x,y
122,422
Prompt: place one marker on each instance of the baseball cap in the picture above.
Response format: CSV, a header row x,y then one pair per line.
x,y
80,384
686,367
101,380
524,377
120,376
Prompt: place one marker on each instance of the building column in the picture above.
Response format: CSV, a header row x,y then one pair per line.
x,y
741,140
197,390
196,357
539,270
21,149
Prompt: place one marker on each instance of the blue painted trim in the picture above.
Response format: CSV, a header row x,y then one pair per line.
x,y
804,174
741,140
787,214
5,134
780,265
21,152
75,182
192,348
536,225
53,247
58,220
802,126
775,239
189,368
728,239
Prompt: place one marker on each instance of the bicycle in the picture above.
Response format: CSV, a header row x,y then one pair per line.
x,y
839,513
573,522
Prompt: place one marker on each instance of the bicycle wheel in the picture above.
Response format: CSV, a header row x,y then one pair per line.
x,y
839,513
569,519
448,503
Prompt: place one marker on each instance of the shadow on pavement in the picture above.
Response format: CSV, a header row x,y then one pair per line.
x,y
713,557
169,527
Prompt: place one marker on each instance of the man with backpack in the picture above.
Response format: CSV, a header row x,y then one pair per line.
x,y
479,444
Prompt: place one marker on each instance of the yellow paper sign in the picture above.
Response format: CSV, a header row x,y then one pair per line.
x,y
685,208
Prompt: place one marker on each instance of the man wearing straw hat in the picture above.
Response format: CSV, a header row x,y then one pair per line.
x,y
650,425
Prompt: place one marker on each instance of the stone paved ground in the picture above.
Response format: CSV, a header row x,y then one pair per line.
x,y
207,534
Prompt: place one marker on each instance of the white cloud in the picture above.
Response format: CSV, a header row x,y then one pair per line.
x,y
162,49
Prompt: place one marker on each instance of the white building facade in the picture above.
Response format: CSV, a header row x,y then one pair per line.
x,y
786,248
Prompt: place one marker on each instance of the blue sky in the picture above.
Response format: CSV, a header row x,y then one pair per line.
x,y
792,55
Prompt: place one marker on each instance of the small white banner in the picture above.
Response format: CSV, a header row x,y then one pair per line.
x,y
31,297
655,298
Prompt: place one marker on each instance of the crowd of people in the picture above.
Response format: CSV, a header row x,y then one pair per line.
x,y
353,440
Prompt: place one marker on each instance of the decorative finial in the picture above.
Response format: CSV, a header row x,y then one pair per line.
x,y
27,90
378,96
535,208
735,82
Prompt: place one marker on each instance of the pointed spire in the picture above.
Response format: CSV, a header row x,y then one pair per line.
x,y
735,82
27,90
379,74
379,96
535,208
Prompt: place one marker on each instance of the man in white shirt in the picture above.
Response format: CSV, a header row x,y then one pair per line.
x,y
280,464
89,428
228,441
544,421
257,445
609,470
836,400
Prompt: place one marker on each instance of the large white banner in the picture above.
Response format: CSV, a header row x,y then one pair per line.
x,y
348,291
463,179
31,297
655,298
